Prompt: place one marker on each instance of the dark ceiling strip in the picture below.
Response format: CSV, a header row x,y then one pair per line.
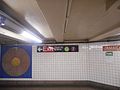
x,y
68,7
18,43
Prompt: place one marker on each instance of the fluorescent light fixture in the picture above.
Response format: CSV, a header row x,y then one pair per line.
x,y
2,24
117,34
12,34
16,36
30,36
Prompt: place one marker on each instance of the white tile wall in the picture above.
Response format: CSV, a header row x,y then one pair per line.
x,y
90,63
104,69
59,66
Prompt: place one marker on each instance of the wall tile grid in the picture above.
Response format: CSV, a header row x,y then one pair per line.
x,y
90,63
60,66
102,68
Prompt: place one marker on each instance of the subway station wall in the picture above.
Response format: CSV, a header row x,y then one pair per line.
x,y
59,65
90,63
104,68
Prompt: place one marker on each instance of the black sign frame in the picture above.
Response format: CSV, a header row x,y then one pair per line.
x,y
58,48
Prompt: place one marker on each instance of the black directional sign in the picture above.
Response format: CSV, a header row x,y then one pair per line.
x,y
58,48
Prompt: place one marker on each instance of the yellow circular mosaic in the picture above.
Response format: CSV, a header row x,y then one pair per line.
x,y
15,62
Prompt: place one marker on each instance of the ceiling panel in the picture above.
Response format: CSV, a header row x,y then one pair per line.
x,y
55,14
89,18
84,14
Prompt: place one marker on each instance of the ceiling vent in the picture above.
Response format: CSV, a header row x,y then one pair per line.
x,y
109,3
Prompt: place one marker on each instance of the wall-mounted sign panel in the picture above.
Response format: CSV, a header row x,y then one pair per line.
x,y
58,48
111,48
109,54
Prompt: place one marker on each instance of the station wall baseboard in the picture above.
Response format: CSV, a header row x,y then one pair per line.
x,y
45,84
